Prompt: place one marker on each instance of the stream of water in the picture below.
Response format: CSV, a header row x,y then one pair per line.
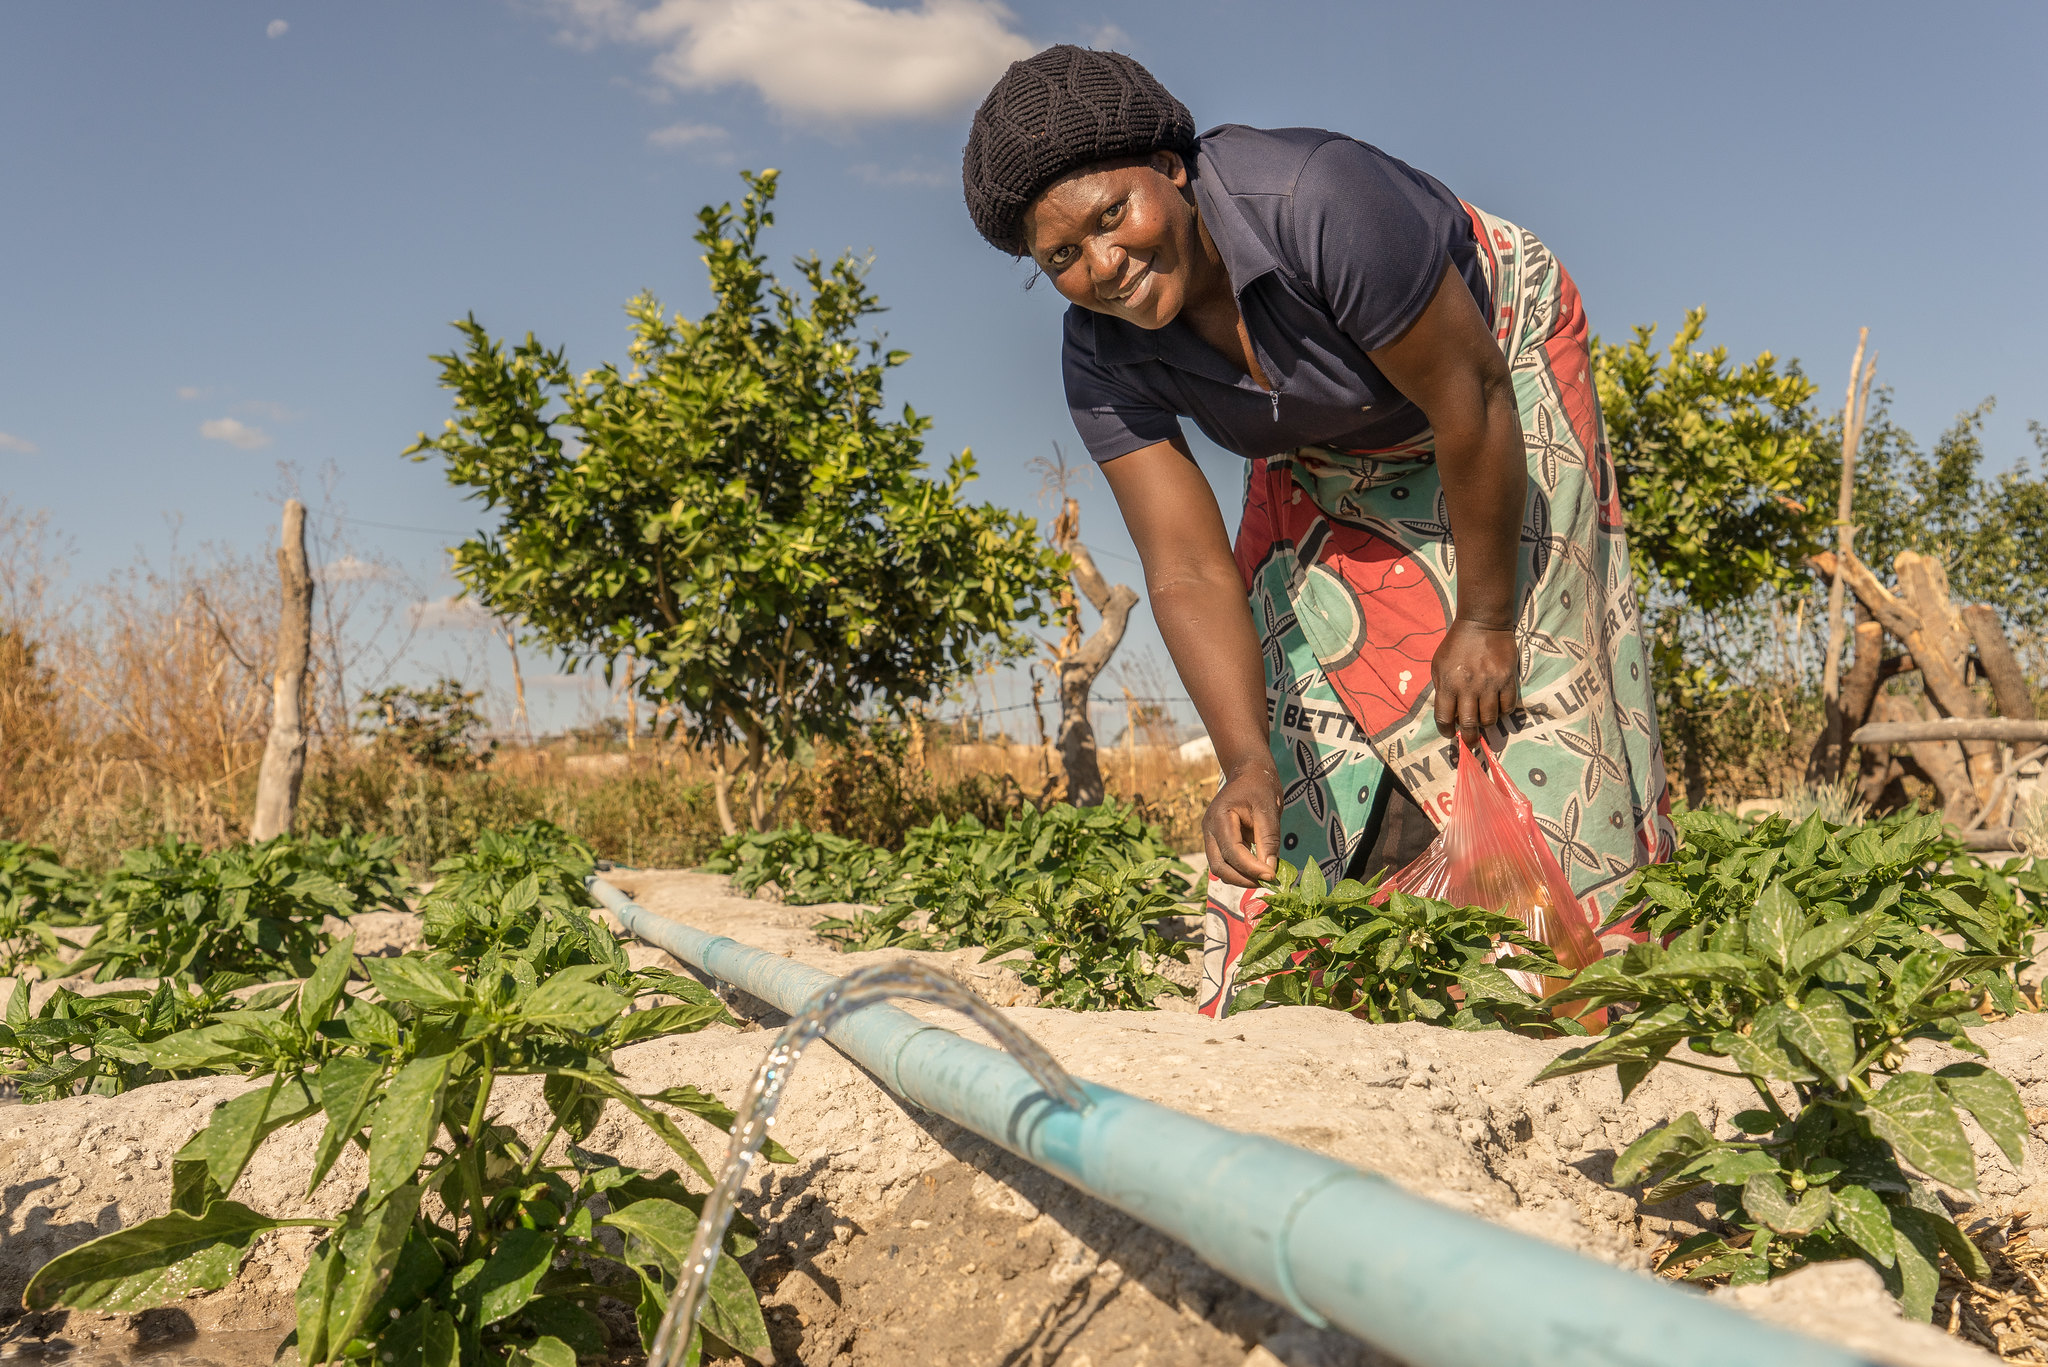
x,y
862,987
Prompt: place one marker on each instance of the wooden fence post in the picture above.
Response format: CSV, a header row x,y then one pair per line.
x,y
284,753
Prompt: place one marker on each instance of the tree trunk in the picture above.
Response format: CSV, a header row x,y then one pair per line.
x,y
1994,652
520,718
1079,670
721,790
1942,680
1923,583
632,709
1832,748
757,780
284,752
1857,691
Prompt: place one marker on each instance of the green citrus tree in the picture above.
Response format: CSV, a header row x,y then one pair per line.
x,y
734,509
1718,465
1724,474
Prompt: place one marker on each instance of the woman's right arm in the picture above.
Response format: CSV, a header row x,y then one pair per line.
x,y
1198,599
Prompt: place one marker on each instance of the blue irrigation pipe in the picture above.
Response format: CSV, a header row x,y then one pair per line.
x,y
1336,1245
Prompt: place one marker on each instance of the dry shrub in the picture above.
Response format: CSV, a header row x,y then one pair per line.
x,y
641,814
139,706
1749,741
36,741
174,694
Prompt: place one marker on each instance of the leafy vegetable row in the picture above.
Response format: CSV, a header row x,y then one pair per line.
x,y
1805,960
1083,890
464,1243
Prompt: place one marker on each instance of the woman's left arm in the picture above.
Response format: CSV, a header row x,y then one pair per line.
x,y
1449,365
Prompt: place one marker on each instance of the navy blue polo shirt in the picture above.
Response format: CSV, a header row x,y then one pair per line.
x,y
1333,248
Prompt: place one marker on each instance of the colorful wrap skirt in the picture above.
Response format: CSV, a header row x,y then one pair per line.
x,y
1347,556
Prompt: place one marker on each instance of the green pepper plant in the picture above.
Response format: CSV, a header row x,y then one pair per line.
x,y
464,1244
1084,889
97,1045
38,897
175,910
1814,1003
509,889
1092,942
960,876
1905,868
807,866
1403,958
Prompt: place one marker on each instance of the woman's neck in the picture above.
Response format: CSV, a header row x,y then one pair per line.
x,y
1211,310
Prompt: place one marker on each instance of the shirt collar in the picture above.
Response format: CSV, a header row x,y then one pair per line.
x,y
1245,254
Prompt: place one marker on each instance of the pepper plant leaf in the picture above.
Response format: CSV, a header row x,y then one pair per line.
x,y
150,1264
1915,1116
1864,1219
330,977
1776,924
416,981
1992,1101
347,1084
404,1123
369,1240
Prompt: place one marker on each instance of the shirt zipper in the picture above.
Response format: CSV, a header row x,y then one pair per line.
x,y
1274,395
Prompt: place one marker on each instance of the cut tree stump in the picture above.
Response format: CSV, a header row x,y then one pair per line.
x,y
1923,583
1079,671
1994,652
284,752
1858,690
1939,759
1944,683
1077,663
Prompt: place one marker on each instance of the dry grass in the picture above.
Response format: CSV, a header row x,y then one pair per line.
x,y
138,706
2008,1312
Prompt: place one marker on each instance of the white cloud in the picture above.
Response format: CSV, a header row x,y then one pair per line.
x,y
452,614
190,391
235,433
349,568
817,58
276,28
19,446
683,134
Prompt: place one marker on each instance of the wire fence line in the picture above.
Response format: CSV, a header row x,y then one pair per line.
x,y
1103,698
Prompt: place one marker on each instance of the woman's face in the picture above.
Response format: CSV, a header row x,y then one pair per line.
x,y
1119,237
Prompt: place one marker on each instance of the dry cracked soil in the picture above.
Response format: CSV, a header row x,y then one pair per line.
x,y
898,1237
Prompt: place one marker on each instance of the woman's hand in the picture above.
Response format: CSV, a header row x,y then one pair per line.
x,y
1241,829
1477,670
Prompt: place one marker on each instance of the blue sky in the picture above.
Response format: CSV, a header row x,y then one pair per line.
x,y
234,232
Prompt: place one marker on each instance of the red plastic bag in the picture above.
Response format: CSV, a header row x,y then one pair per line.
x,y
1491,853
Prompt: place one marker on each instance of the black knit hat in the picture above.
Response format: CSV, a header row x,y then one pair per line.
x,y
1063,108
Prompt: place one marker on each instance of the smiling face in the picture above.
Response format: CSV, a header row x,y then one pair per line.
x,y
1121,238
